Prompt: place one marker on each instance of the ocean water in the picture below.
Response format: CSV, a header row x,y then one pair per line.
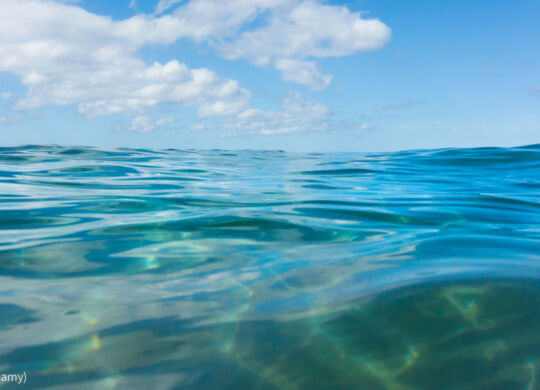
x,y
184,269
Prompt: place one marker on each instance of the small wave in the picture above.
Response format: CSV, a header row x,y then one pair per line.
x,y
247,269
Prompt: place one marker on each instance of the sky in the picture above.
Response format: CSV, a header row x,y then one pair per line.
x,y
298,75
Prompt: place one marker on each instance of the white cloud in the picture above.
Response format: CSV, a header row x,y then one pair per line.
x,y
67,55
303,72
303,30
164,5
310,29
2,119
298,115
5,95
132,3
290,33
143,124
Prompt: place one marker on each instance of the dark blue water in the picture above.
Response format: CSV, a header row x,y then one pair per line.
x,y
139,269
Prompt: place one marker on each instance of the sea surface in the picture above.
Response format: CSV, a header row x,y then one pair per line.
x,y
186,269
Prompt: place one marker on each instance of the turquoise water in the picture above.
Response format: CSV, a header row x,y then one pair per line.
x,y
139,269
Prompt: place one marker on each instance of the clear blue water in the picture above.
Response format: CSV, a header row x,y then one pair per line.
x,y
139,269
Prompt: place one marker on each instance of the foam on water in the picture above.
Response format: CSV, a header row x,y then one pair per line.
x,y
269,270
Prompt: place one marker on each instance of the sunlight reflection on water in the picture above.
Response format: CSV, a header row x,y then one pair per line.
x,y
268,270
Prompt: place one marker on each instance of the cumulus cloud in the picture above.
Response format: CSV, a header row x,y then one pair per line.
x,y
143,124
302,30
67,55
309,29
298,115
288,37
303,72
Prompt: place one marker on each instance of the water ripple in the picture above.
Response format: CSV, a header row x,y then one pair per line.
x,y
270,270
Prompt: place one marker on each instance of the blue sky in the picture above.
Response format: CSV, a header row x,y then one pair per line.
x,y
299,75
